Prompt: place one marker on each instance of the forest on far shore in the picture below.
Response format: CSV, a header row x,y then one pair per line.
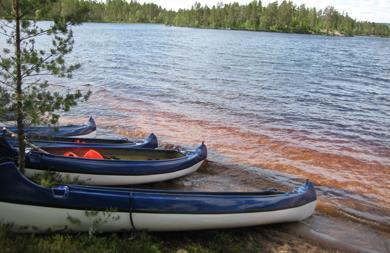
x,y
274,17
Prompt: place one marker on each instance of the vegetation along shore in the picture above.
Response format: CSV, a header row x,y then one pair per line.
x,y
277,16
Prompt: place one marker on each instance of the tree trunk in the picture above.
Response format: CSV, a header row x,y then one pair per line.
x,y
19,92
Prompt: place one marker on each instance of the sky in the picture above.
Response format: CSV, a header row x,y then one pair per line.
x,y
362,10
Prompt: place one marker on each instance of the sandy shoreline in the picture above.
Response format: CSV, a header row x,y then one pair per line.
x,y
319,233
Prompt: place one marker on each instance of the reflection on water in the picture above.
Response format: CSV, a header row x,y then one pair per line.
x,y
311,107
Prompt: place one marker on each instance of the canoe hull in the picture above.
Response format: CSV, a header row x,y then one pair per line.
x,y
109,180
28,207
142,166
87,131
25,218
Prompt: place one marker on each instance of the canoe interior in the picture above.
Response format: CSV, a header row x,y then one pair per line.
x,y
266,192
121,154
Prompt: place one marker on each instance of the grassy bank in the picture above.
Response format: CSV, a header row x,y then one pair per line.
x,y
261,239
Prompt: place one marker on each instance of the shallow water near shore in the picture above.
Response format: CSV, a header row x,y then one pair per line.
x,y
308,106
286,106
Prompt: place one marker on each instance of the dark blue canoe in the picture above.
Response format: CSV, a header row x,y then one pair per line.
x,y
72,142
82,131
119,166
27,207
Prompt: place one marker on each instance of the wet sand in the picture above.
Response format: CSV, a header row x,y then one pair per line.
x,y
320,233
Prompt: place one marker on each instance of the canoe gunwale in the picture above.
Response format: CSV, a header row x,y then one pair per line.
x,y
150,142
57,163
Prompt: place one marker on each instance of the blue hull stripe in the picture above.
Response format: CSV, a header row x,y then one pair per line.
x,y
72,130
15,188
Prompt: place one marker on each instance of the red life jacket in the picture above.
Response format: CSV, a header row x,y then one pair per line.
x,y
93,154
90,154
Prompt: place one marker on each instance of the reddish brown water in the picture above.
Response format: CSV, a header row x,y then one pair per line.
x,y
350,181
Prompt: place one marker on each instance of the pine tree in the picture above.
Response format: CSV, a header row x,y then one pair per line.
x,y
24,65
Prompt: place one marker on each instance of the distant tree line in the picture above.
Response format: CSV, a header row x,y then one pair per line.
x,y
283,17
274,17
99,11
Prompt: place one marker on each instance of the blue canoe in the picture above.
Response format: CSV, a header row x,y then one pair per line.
x,y
119,166
72,142
28,207
85,131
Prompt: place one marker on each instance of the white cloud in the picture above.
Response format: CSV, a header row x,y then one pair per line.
x,y
368,10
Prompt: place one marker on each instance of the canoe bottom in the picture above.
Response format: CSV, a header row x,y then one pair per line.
x,y
26,218
183,222
94,179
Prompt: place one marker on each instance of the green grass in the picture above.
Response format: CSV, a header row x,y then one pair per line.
x,y
191,242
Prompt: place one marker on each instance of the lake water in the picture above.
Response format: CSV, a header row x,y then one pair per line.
x,y
303,106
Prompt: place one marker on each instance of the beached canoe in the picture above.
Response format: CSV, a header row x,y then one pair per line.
x,y
110,166
28,207
81,131
73,142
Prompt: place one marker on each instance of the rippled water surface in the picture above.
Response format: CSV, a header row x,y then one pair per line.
x,y
314,107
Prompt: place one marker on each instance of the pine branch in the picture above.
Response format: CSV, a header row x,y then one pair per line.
x,y
7,84
27,72
28,85
40,74
35,35
9,73
27,141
